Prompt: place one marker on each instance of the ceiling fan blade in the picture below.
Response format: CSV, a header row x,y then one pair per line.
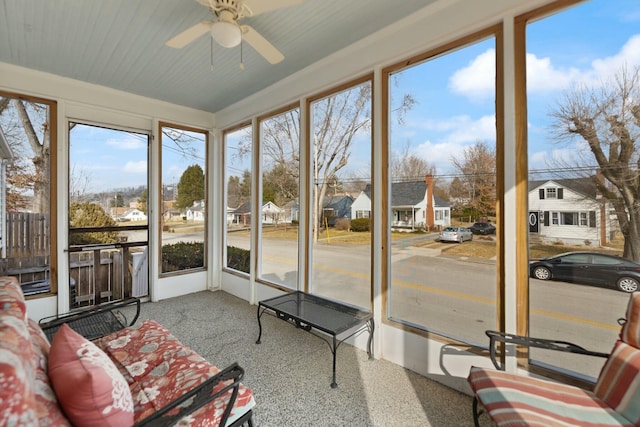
x,y
261,45
262,6
189,35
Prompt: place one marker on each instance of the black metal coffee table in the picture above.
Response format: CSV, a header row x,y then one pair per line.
x,y
310,312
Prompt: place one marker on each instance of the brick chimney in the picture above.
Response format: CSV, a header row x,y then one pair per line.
x,y
430,208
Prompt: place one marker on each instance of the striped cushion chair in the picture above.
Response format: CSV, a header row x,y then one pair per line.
x,y
514,400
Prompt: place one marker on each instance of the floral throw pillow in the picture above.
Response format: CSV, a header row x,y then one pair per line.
x,y
89,387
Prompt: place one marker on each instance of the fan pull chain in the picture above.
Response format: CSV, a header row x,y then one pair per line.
x,y
241,61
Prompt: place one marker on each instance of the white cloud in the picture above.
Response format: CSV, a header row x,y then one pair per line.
x,y
459,132
629,56
136,167
476,80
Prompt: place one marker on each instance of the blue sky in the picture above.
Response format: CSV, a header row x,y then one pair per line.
x,y
455,92
110,159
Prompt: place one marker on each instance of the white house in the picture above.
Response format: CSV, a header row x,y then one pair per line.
x,y
270,214
409,205
569,211
133,215
195,212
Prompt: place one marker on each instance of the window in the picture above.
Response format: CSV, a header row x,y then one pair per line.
x,y
108,193
569,218
363,214
183,201
28,200
551,193
238,149
562,87
280,184
583,219
419,294
341,254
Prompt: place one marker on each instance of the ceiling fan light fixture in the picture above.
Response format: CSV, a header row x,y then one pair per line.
x,y
227,34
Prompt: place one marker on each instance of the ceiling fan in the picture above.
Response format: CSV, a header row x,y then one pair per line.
x,y
226,30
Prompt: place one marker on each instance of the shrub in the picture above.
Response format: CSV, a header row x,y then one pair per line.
x,y
182,256
360,224
238,259
343,224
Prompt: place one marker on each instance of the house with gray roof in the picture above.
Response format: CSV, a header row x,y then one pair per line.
x,y
413,206
570,211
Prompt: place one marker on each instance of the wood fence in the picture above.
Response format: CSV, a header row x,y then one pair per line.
x,y
27,245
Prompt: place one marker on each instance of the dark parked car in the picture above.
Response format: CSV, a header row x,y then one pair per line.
x,y
483,228
590,268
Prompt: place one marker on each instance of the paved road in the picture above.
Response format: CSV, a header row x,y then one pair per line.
x,y
455,296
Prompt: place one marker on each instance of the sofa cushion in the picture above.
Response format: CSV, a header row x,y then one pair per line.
x,y
160,369
630,332
17,378
11,298
89,387
47,407
516,400
619,382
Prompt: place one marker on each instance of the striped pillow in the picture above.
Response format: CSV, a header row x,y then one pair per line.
x,y
631,330
619,382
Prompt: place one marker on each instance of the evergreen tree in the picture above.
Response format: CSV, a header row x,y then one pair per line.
x,y
87,214
190,187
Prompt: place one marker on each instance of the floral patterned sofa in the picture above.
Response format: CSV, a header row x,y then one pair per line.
x,y
136,376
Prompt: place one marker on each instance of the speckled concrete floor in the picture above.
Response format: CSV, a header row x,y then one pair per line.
x,y
290,371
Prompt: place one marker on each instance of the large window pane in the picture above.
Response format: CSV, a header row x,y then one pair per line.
x,y
27,139
108,214
238,146
442,160
342,196
184,202
279,207
582,86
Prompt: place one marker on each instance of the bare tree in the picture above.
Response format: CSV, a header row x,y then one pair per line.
x,y
477,169
407,166
337,120
27,129
607,118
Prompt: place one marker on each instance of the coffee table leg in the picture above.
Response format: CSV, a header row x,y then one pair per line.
x,y
334,349
259,325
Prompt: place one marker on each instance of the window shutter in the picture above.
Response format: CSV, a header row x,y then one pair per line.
x,y
541,193
592,219
559,193
546,218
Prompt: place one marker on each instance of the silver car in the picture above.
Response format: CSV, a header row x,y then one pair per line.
x,y
456,234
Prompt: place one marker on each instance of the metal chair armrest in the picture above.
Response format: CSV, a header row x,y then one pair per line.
x,y
196,398
547,344
93,322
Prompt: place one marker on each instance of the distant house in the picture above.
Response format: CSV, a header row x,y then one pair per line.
x,y
291,211
570,211
336,207
413,205
270,214
195,212
230,215
133,215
